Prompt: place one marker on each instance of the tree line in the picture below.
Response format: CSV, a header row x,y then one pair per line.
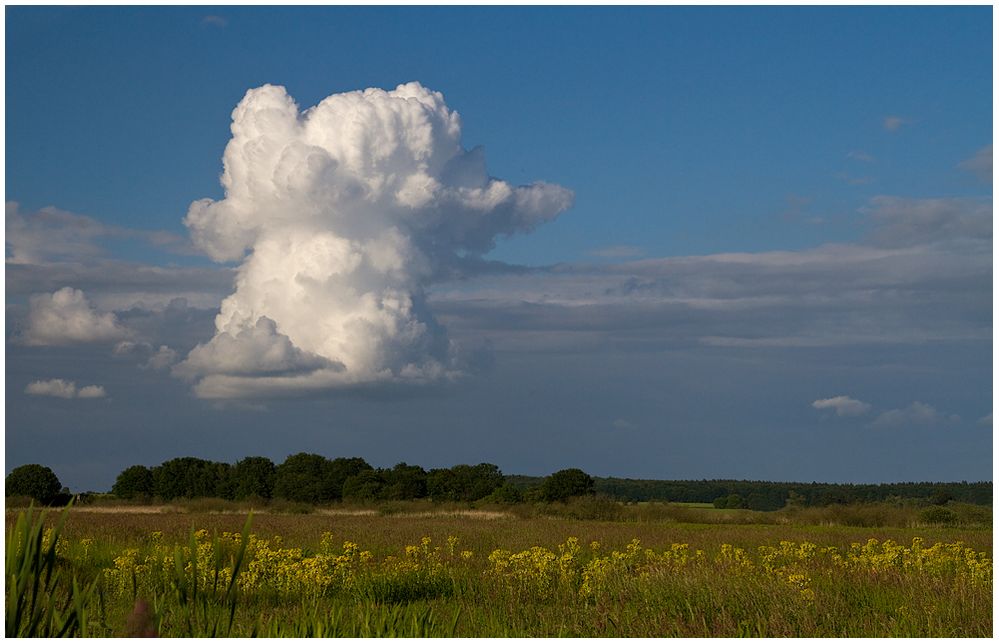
x,y
315,479
771,495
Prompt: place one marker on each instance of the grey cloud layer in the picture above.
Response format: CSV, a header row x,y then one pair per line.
x,y
51,234
932,283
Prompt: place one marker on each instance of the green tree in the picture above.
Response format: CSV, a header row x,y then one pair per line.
x,y
405,482
337,471
135,482
191,478
565,484
253,476
302,477
36,481
366,485
464,482
441,484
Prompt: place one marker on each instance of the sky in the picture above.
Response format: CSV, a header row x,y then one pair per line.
x,y
661,242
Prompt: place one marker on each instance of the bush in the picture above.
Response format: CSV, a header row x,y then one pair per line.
x,y
938,514
36,481
506,494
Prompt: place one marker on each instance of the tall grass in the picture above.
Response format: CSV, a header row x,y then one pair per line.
x,y
204,575
40,601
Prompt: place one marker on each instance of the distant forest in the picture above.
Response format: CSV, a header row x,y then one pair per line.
x,y
315,479
769,495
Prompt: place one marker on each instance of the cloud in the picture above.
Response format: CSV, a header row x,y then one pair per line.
x,y
893,123
91,391
615,252
860,155
349,211
985,420
118,285
835,295
51,234
908,222
60,388
215,21
917,414
155,359
67,317
980,165
843,406
623,424
163,358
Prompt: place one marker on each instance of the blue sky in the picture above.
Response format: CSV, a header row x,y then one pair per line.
x,y
856,140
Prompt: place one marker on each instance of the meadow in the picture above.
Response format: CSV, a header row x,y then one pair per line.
x,y
425,570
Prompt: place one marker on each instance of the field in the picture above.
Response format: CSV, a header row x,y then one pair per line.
x,y
463,572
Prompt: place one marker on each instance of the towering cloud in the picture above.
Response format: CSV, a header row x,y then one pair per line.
x,y
340,216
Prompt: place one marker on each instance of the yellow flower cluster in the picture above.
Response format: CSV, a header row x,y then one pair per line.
x,y
537,573
270,567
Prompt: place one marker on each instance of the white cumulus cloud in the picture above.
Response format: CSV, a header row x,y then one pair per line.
x,y
67,317
91,391
341,216
59,388
843,405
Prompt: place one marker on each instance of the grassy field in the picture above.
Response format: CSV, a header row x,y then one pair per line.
x,y
420,571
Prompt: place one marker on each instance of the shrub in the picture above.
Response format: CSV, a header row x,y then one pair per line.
x,y
938,514
506,494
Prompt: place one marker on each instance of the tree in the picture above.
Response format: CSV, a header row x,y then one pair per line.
x,y
464,482
405,482
36,481
301,478
565,484
253,476
134,482
190,478
441,484
484,479
337,471
366,485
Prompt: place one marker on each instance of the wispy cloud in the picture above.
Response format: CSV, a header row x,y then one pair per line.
x,y
215,21
893,123
860,155
615,252
980,165
918,414
51,234
907,222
